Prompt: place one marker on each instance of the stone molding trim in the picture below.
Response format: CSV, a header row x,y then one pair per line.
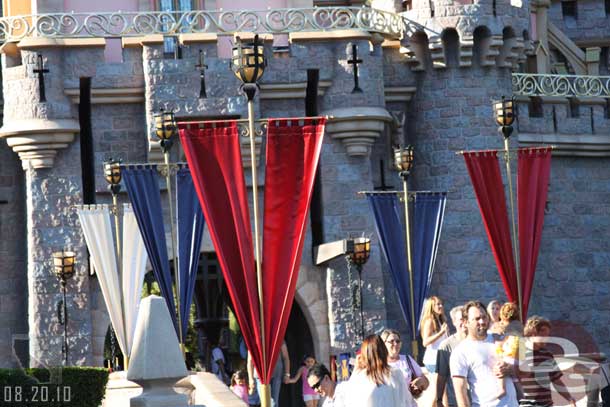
x,y
577,145
37,141
44,42
197,38
290,90
329,35
399,93
357,127
132,42
101,96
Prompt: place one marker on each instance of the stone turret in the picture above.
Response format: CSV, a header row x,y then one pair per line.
x,y
463,59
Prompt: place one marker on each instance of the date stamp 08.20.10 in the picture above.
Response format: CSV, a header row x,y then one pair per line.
x,y
35,395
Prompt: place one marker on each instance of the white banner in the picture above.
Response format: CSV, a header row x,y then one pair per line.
x,y
97,228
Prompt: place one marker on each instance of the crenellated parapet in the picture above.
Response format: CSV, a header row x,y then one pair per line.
x,y
463,33
452,49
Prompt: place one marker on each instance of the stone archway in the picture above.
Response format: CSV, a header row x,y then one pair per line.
x,y
310,295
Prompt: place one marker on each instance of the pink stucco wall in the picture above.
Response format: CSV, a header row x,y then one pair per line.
x,y
113,51
250,4
224,43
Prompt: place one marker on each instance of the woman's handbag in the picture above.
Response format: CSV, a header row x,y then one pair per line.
x,y
415,391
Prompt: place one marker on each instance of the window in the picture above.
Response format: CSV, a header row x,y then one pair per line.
x,y
171,48
607,3
569,9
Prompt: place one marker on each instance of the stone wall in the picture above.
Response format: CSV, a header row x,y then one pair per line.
x,y
591,23
13,251
452,112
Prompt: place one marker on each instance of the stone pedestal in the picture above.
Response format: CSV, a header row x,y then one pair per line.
x,y
156,361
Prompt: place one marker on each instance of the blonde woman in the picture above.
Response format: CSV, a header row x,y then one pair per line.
x,y
434,330
493,309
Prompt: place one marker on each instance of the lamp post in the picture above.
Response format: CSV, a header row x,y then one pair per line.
x,y
63,267
112,175
403,161
248,64
166,130
359,256
505,117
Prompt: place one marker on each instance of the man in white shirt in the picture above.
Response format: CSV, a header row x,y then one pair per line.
x,y
319,380
218,364
472,365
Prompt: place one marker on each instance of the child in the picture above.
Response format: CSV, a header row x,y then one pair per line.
x,y
238,385
507,350
310,397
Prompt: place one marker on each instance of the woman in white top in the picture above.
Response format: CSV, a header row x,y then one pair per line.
x,y
415,381
374,383
434,330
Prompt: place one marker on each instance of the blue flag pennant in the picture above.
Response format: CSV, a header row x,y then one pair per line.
x,y
426,223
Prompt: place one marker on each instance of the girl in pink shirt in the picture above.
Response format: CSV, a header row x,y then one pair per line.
x,y
310,397
238,385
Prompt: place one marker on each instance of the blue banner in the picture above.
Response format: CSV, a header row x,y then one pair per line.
x,y
143,188
427,211
190,233
427,221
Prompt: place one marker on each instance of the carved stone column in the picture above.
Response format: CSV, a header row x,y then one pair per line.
x,y
541,8
42,135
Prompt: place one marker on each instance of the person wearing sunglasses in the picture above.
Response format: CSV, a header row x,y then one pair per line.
x,y
320,381
416,381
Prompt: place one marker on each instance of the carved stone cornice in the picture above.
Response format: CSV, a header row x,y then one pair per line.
x,y
290,90
357,127
37,141
399,93
109,96
577,145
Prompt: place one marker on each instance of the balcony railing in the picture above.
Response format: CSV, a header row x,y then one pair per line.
x,y
276,21
561,85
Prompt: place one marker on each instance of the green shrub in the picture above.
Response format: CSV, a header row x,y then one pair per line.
x,y
65,387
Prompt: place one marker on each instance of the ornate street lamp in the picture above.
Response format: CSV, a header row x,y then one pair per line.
x,y
505,117
166,130
248,64
358,257
63,267
112,175
403,162
504,113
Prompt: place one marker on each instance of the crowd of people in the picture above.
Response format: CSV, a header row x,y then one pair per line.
x,y
490,360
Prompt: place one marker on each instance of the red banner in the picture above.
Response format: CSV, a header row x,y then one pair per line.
x,y
214,158
533,173
292,155
293,152
484,171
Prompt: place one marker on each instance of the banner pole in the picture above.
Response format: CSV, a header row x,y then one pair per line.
x,y
168,181
266,394
409,264
117,231
514,236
